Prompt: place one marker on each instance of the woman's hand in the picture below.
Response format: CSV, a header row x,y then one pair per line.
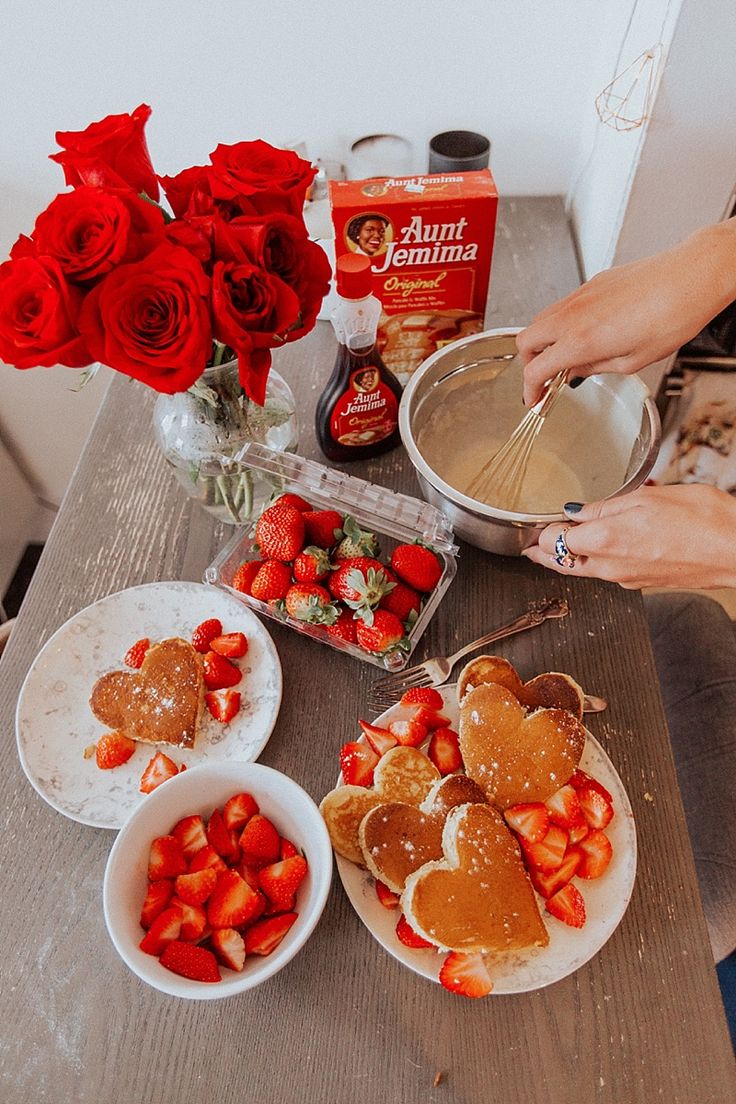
x,y
674,536
632,315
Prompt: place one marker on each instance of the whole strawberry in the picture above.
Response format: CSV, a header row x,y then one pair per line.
x,y
311,603
295,500
356,541
245,574
280,533
403,601
323,527
271,581
361,584
346,627
385,634
416,565
312,565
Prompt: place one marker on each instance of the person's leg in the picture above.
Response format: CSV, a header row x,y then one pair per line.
x,y
694,646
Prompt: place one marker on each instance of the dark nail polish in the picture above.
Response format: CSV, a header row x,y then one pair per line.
x,y
573,507
576,381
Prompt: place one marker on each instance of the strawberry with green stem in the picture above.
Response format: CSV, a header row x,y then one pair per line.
x,y
356,541
311,603
361,583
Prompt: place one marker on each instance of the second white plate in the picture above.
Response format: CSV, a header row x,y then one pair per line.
x,y
54,722
569,948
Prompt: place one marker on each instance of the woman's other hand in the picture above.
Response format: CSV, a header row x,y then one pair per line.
x,y
673,536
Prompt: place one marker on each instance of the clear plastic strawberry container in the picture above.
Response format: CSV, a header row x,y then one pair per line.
x,y
394,518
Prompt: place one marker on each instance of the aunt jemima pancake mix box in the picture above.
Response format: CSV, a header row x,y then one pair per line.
x,y
430,240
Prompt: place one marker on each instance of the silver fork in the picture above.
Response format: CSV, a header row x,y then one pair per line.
x,y
433,672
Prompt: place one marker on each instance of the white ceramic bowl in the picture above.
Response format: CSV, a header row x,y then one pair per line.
x,y
200,790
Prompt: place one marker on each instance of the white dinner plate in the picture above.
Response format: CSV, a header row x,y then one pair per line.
x,y
54,723
569,948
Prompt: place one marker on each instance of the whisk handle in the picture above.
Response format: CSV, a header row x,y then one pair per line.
x,y
535,615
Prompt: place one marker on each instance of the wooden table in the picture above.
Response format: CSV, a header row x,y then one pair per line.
x,y
344,1023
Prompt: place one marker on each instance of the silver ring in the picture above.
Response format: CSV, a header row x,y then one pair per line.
x,y
563,557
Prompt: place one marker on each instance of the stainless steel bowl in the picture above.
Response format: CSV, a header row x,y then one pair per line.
x,y
607,432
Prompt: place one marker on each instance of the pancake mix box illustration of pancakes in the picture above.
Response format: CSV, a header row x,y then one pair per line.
x,y
430,240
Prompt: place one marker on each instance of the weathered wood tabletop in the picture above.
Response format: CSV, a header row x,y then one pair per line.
x,y
345,1023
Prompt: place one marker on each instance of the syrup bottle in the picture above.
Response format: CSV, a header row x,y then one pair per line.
x,y
358,412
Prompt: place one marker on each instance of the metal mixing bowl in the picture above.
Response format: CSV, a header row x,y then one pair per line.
x,y
607,432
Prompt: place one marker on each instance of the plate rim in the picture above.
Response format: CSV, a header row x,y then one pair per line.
x,y
157,584
403,955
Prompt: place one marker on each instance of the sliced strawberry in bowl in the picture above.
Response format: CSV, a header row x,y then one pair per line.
x,y
190,961
238,810
264,936
229,948
260,842
157,897
190,832
233,902
280,881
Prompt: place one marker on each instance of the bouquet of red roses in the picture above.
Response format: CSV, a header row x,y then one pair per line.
x,y
108,275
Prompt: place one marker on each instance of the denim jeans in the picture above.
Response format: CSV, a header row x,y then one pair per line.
x,y
694,644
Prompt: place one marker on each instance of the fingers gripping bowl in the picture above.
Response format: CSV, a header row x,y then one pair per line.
x,y
600,440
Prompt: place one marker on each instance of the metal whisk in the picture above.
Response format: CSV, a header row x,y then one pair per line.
x,y
501,478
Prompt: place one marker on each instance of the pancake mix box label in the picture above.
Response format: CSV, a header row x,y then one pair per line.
x,y
430,241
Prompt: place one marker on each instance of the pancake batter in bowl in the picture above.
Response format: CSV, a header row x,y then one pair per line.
x,y
548,482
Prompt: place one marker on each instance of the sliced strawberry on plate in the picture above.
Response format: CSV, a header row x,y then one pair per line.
x,y
229,948
281,880
191,834
166,859
207,857
466,974
547,884
157,898
238,810
232,645
189,961
260,842
424,695
265,935
196,887
357,762
564,807
567,905
595,853
218,836
193,921
530,820
113,749
205,632
136,653
219,673
409,733
164,928
406,934
547,854
158,770
233,901
223,705
380,739
444,750
597,809
430,718
386,896
580,780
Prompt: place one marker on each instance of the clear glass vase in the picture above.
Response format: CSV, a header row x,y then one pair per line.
x,y
200,430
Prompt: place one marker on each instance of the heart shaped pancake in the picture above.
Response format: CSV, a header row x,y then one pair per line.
x,y
159,704
478,898
396,839
552,690
515,757
404,774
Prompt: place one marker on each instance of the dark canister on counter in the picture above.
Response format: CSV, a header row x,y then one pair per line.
x,y
358,412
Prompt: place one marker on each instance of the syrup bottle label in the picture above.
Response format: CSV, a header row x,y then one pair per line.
x,y
366,412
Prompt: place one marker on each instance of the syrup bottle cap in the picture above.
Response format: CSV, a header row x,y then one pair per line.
x,y
353,276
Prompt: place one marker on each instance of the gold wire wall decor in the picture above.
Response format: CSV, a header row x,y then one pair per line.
x,y
625,103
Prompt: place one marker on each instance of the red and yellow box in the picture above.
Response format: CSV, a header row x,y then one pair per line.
x,y
430,240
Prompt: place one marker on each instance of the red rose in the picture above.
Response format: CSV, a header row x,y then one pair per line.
x,y
280,244
38,315
268,179
150,320
253,368
90,230
111,152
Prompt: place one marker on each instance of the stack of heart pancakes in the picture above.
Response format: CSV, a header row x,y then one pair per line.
x,y
159,704
442,844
